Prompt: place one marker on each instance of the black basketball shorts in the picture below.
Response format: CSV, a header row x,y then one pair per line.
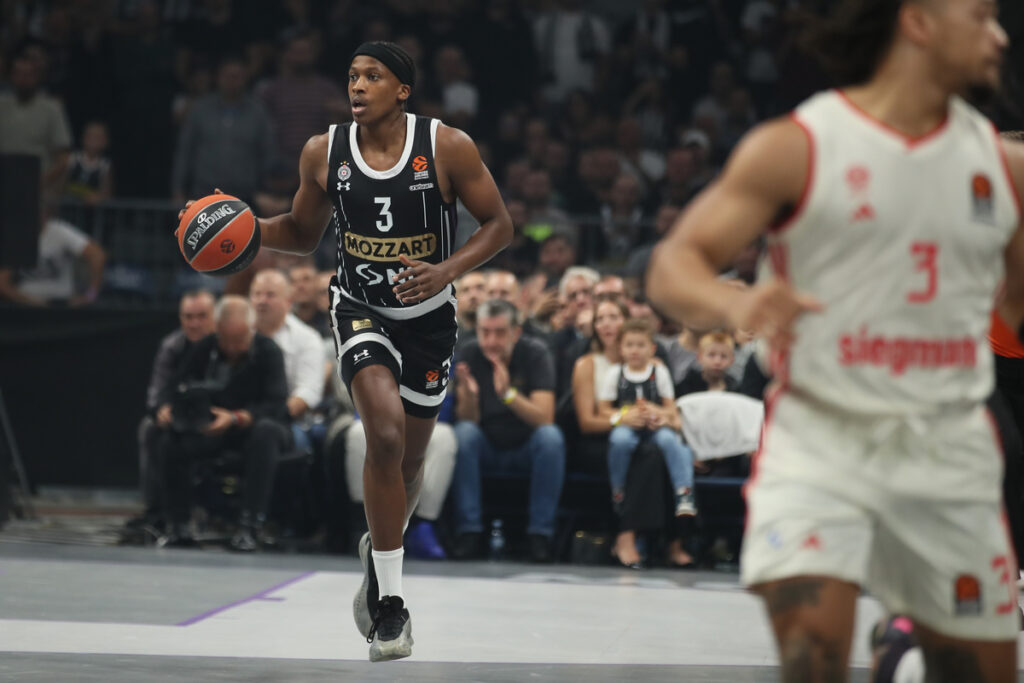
x,y
417,351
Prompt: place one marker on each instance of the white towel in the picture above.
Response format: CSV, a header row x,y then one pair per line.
x,y
717,424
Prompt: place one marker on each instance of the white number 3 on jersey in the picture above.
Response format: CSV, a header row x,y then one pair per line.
x,y
385,211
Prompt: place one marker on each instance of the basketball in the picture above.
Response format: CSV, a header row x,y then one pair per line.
x,y
218,235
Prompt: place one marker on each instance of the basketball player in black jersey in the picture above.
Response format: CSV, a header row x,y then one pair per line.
x,y
389,181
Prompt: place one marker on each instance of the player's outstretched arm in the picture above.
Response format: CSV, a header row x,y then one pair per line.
x,y
1011,306
299,231
765,176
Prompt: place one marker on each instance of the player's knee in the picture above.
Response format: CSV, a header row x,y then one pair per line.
x,y
385,442
808,656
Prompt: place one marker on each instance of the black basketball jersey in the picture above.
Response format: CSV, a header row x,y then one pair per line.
x,y
630,392
381,215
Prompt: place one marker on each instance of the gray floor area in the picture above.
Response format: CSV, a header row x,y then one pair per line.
x,y
79,613
89,668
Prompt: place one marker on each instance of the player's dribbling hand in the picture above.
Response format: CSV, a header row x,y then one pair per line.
x,y
192,201
770,310
419,281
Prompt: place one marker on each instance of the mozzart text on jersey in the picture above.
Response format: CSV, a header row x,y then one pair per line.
x,y
902,353
389,249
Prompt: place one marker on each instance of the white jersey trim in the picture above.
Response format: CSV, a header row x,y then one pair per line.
x,y
330,143
434,123
410,130
420,399
408,312
371,337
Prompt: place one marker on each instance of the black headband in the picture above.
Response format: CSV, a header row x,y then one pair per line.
x,y
390,58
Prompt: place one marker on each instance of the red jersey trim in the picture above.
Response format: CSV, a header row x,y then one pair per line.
x,y
774,393
1006,169
805,194
908,140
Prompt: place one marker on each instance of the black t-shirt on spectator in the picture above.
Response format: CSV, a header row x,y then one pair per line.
x,y
693,381
530,369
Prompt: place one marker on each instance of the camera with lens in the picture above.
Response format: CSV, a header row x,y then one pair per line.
x,y
190,406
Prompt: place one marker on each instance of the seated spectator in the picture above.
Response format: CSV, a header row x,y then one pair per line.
x,y
472,291
195,313
303,278
638,397
52,281
682,354
230,393
641,510
505,406
323,299
715,354
438,466
576,290
89,177
302,347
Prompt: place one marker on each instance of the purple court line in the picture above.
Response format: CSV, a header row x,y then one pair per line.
x,y
262,595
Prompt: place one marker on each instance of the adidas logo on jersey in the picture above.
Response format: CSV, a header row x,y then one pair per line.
x,y
864,213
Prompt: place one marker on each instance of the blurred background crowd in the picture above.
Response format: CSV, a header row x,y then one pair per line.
x,y
600,120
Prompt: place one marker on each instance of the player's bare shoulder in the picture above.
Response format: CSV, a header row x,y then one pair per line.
x,y
774,160
313,160
456,157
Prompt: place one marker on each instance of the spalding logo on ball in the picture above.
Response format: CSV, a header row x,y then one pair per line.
x,y
210,231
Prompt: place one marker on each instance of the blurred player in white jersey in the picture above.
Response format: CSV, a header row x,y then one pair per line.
x,y
892,214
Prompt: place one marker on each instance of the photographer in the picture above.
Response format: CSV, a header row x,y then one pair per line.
x,y
229,394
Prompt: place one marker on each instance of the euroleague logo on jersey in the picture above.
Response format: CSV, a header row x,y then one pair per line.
x,y
981,199
419,165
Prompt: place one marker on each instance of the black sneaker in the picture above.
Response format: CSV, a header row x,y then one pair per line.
x,y
390,636
364,604
469,546
540,549
177,536
245,540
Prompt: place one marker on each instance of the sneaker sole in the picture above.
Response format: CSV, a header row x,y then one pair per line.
x,y
399,648
360,603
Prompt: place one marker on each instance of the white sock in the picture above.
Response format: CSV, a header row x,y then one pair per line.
x,y
387,565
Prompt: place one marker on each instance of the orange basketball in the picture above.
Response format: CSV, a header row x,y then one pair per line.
x,y
218,235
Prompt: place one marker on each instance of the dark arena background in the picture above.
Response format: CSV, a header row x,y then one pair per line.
x,y
599,120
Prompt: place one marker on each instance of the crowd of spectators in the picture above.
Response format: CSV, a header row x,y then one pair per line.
x,y
580,379
600,121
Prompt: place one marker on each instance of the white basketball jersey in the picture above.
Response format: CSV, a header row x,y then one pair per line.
x,y
902,240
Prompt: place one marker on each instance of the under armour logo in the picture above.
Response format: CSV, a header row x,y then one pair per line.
x,y
344,186
361,356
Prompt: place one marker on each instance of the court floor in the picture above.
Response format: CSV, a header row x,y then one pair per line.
x,y
138,614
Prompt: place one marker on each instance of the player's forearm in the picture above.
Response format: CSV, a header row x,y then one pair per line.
x,y
286,233
493,236
682,284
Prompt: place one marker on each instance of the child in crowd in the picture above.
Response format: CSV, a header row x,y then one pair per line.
x,y
638,398
715,355
89,177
